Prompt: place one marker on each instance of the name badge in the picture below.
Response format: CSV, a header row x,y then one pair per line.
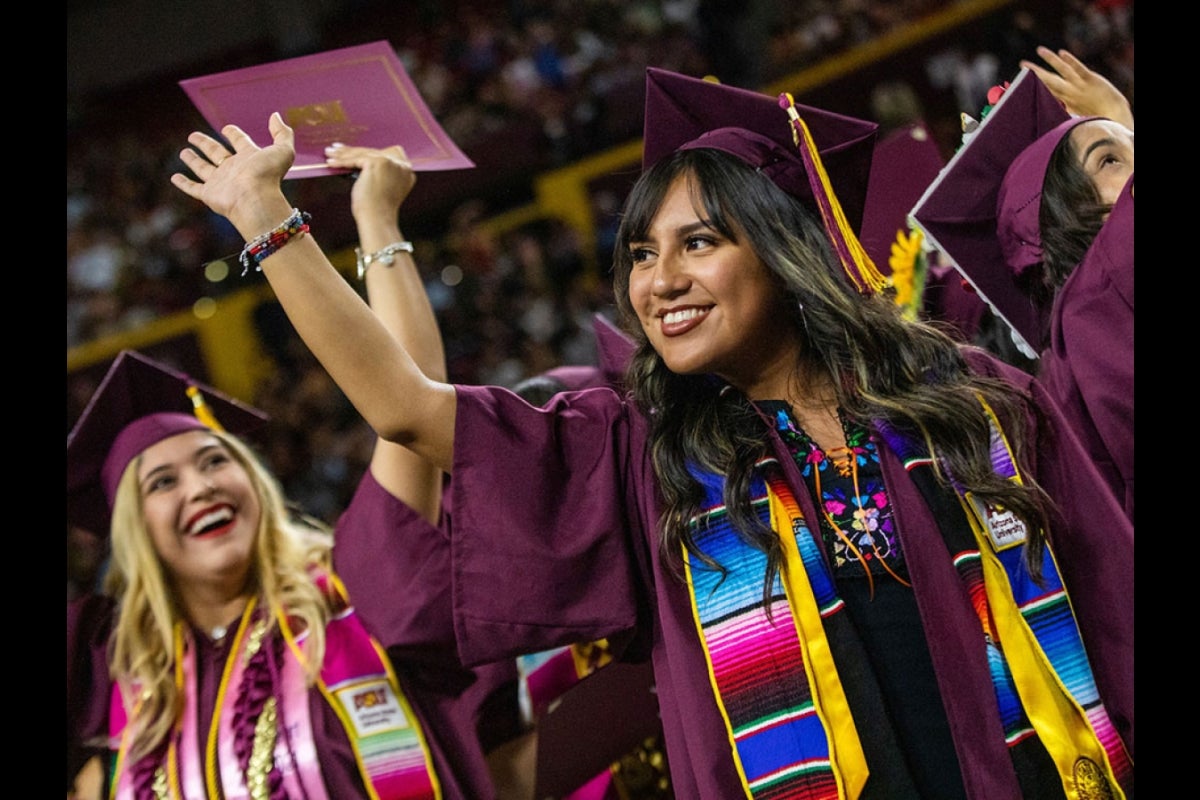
x,y
1004,528
372,707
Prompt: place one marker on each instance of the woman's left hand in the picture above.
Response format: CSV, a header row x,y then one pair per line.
x,y
385,178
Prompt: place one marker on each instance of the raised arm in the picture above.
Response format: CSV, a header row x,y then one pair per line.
x,y
242,182
1082,91
397,295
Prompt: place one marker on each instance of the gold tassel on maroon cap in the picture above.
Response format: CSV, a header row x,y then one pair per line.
x,y
202,410
858,265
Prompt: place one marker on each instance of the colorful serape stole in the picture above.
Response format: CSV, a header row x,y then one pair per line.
x,y
773,674
358,681
1039,666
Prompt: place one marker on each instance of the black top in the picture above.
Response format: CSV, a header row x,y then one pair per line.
x,y
849,490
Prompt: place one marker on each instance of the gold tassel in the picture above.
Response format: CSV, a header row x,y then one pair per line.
x,y
855,260
202,410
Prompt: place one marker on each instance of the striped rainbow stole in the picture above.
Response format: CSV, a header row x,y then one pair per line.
x,y
358,681
1040,670
764,658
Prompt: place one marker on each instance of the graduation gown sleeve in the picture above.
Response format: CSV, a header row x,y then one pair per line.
x,y
539,548
396,568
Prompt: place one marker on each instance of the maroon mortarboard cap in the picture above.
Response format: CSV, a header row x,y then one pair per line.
x,y
1019,201
906,161
603,717
614,347
138,403
802,149
957,213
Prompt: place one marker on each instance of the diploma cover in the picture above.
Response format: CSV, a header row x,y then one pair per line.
x,y
360,96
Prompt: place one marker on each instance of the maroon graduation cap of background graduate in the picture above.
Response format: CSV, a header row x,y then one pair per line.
x,y
957,213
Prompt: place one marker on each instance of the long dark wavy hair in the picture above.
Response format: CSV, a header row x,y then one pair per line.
x,y
909,374
1071,215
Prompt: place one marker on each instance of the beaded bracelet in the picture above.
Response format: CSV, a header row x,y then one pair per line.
x,y
386,256
262,246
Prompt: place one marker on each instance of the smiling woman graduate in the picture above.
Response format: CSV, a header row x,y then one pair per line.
x,y
859,555
224,658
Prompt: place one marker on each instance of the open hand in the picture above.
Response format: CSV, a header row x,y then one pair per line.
x,y
242,181
1082,91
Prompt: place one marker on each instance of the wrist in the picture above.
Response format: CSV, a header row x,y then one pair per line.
x,y
294,226
386,256
375,231
256,215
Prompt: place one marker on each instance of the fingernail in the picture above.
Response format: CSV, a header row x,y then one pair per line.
x,y
333,147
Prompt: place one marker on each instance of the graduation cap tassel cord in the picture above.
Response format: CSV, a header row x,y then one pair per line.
x,y
202,410
858,265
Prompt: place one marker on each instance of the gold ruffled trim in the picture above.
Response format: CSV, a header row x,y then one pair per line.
x,y
262,756
254,640
159,785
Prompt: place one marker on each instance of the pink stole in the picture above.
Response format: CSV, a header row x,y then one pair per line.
x,y
295,750
357,681
390,746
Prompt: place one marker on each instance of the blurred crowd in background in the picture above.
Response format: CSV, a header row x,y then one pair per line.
x,y
566,74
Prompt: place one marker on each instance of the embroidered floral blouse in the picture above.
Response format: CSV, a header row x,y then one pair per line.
x,y
857,525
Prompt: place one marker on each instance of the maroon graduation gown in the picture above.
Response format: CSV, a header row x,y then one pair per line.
x,y
1088,366
396,567
554,541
